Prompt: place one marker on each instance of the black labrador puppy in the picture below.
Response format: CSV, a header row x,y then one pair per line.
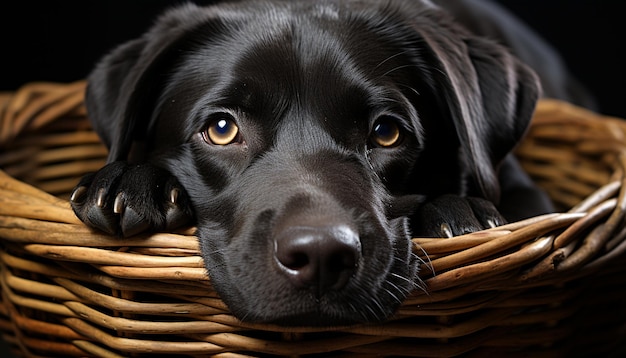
x,y
309,141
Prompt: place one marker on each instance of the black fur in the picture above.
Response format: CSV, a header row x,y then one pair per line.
x,y
304,217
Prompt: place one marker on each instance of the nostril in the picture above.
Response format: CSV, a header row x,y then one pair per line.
x,y
318,258
343,259
295,260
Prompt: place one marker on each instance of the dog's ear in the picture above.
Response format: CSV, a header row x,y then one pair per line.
x,y
123,88
487,93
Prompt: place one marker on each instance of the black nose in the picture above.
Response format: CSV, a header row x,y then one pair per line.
x,y
320,258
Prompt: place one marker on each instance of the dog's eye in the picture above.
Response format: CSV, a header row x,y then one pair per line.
x,y
386,132
221,131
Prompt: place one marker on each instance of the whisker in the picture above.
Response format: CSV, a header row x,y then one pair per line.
x,y
410,88
369,308
441,71
392,295
416,257
376,303
398,68
352,307
428,264
405,279
390,58
419,284
405,291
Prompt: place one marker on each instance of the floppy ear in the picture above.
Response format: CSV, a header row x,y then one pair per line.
x,y
490,97
124,87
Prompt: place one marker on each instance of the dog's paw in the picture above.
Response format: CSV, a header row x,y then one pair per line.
x,y
125,200
451,215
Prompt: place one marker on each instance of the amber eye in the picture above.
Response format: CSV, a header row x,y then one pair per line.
x,y
221,131
386,132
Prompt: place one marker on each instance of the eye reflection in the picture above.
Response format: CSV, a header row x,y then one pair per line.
x,y
222,131
386,132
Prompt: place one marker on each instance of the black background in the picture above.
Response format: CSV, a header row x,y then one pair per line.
x,y
61,40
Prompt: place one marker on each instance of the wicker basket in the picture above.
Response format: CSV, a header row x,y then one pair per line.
x,y
549,286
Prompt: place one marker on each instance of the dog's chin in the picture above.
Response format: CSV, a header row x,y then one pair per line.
x,y
314,319
317,318
300,308
336,311
372,295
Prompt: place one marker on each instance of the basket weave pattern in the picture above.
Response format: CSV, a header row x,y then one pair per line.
x,y
551,285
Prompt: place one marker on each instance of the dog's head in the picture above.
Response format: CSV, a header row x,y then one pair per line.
x,y
305,134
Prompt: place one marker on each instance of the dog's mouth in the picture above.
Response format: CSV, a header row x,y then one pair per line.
x,y
314,253
316,272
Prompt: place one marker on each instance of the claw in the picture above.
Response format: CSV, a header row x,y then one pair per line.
x,y
78,194
118,205
124,200
95,217
100,198
446,230
175,218
174,195
132,223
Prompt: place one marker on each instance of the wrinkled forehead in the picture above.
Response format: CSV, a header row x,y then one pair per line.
x,y
322,54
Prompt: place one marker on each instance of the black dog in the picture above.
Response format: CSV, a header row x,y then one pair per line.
x,y
309,141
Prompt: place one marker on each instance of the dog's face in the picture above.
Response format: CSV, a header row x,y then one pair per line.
x,y
306,134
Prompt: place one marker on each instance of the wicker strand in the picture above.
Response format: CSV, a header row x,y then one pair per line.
x,y
36,104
